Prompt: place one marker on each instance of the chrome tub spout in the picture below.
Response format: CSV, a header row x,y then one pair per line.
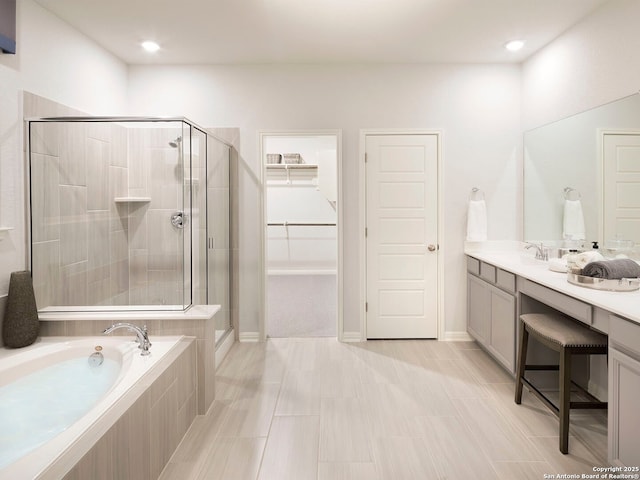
x,y
141,334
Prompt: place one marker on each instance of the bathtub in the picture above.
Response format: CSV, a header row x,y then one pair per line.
x,y
94,403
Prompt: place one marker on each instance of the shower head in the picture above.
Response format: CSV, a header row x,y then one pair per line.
x,y
176,142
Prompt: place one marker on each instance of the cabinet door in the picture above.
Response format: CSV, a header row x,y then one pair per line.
x,y
503,327
624,414
478,308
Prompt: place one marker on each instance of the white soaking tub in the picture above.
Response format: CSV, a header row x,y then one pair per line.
x,y
52,395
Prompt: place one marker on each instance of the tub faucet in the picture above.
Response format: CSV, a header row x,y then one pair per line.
x,y
541,251
141,333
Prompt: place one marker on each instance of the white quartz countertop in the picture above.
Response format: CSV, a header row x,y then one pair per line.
x,y
196,312
523,264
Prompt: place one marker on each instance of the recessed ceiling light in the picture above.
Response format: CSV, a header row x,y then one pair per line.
x,y
514,45
150,46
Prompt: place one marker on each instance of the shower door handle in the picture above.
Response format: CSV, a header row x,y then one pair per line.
x,y
178,220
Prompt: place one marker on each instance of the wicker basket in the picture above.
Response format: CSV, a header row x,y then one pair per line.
x,y
291,158
273,158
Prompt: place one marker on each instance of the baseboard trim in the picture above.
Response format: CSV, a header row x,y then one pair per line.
x,y
349,337
224,347
249,337
456,337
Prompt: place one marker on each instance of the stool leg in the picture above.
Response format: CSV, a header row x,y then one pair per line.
x,y
522,361
565,398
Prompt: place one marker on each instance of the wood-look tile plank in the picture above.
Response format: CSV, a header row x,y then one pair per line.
x,y
453,457
234,458
484,368
580,459
500,440
299,394
292,449
523,470
531,416
403,457
347,471
180,471
375,363
344,431
250,414
201,435
456,379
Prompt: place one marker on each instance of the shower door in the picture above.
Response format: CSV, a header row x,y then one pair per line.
x,y
110,203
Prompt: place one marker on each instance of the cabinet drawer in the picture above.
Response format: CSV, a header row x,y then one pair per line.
x,y
506,281
488,272
561,302
473,265
625,333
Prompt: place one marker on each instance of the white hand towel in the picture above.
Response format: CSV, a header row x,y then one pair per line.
x,y
583,258
573,224
477,221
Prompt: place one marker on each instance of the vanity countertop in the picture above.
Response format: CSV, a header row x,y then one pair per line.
x,y
522,263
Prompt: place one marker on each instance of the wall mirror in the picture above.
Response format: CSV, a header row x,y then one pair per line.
x,y
596,155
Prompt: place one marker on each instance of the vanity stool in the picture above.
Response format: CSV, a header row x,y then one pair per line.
x,y
568,337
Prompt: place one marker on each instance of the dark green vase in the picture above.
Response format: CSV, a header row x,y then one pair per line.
x,y
20,326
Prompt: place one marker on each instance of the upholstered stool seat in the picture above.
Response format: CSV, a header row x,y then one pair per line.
x,y
568,337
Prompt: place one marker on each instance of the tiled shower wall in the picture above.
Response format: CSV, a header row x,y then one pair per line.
x,y
88,249
79,237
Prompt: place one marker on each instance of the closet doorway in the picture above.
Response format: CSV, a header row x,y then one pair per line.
x,y
302,217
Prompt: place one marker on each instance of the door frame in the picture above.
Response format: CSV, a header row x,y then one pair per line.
x,y
362,217
262,134
600,179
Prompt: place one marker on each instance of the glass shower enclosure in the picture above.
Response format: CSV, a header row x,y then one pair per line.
x,y
123,212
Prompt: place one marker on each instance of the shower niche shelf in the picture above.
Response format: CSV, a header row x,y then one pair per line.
x,y
4,231
132,199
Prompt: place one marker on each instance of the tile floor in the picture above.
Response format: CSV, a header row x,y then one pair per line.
x,y
319,409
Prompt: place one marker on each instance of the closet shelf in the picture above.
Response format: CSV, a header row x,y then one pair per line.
x,y
291,166
132,199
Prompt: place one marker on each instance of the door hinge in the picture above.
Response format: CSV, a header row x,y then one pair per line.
x,y
365,157
366,232
366,306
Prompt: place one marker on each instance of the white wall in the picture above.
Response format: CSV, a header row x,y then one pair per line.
x,y
593,63
476,106
55,61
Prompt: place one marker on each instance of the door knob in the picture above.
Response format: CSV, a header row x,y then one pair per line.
x,y
431,247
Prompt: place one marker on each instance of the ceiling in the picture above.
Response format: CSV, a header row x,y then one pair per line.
x,y
321,31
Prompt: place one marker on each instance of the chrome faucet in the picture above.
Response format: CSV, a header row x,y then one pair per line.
x,y
541,251
141,333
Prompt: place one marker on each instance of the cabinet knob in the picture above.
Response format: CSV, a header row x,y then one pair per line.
x,y
431,247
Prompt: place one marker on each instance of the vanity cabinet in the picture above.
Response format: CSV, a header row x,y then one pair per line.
x,y
624,392
491,310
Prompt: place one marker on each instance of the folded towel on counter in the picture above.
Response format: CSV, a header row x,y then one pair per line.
x,y
573,221
558,265
477,221
582,259
612,269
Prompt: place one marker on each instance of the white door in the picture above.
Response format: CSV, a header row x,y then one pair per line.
x,y
622,186
401,241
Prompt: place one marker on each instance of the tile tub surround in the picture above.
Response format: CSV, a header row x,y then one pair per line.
x,y
136,436
198,321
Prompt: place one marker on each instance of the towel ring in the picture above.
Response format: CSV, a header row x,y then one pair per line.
x,y
476,194
571,194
